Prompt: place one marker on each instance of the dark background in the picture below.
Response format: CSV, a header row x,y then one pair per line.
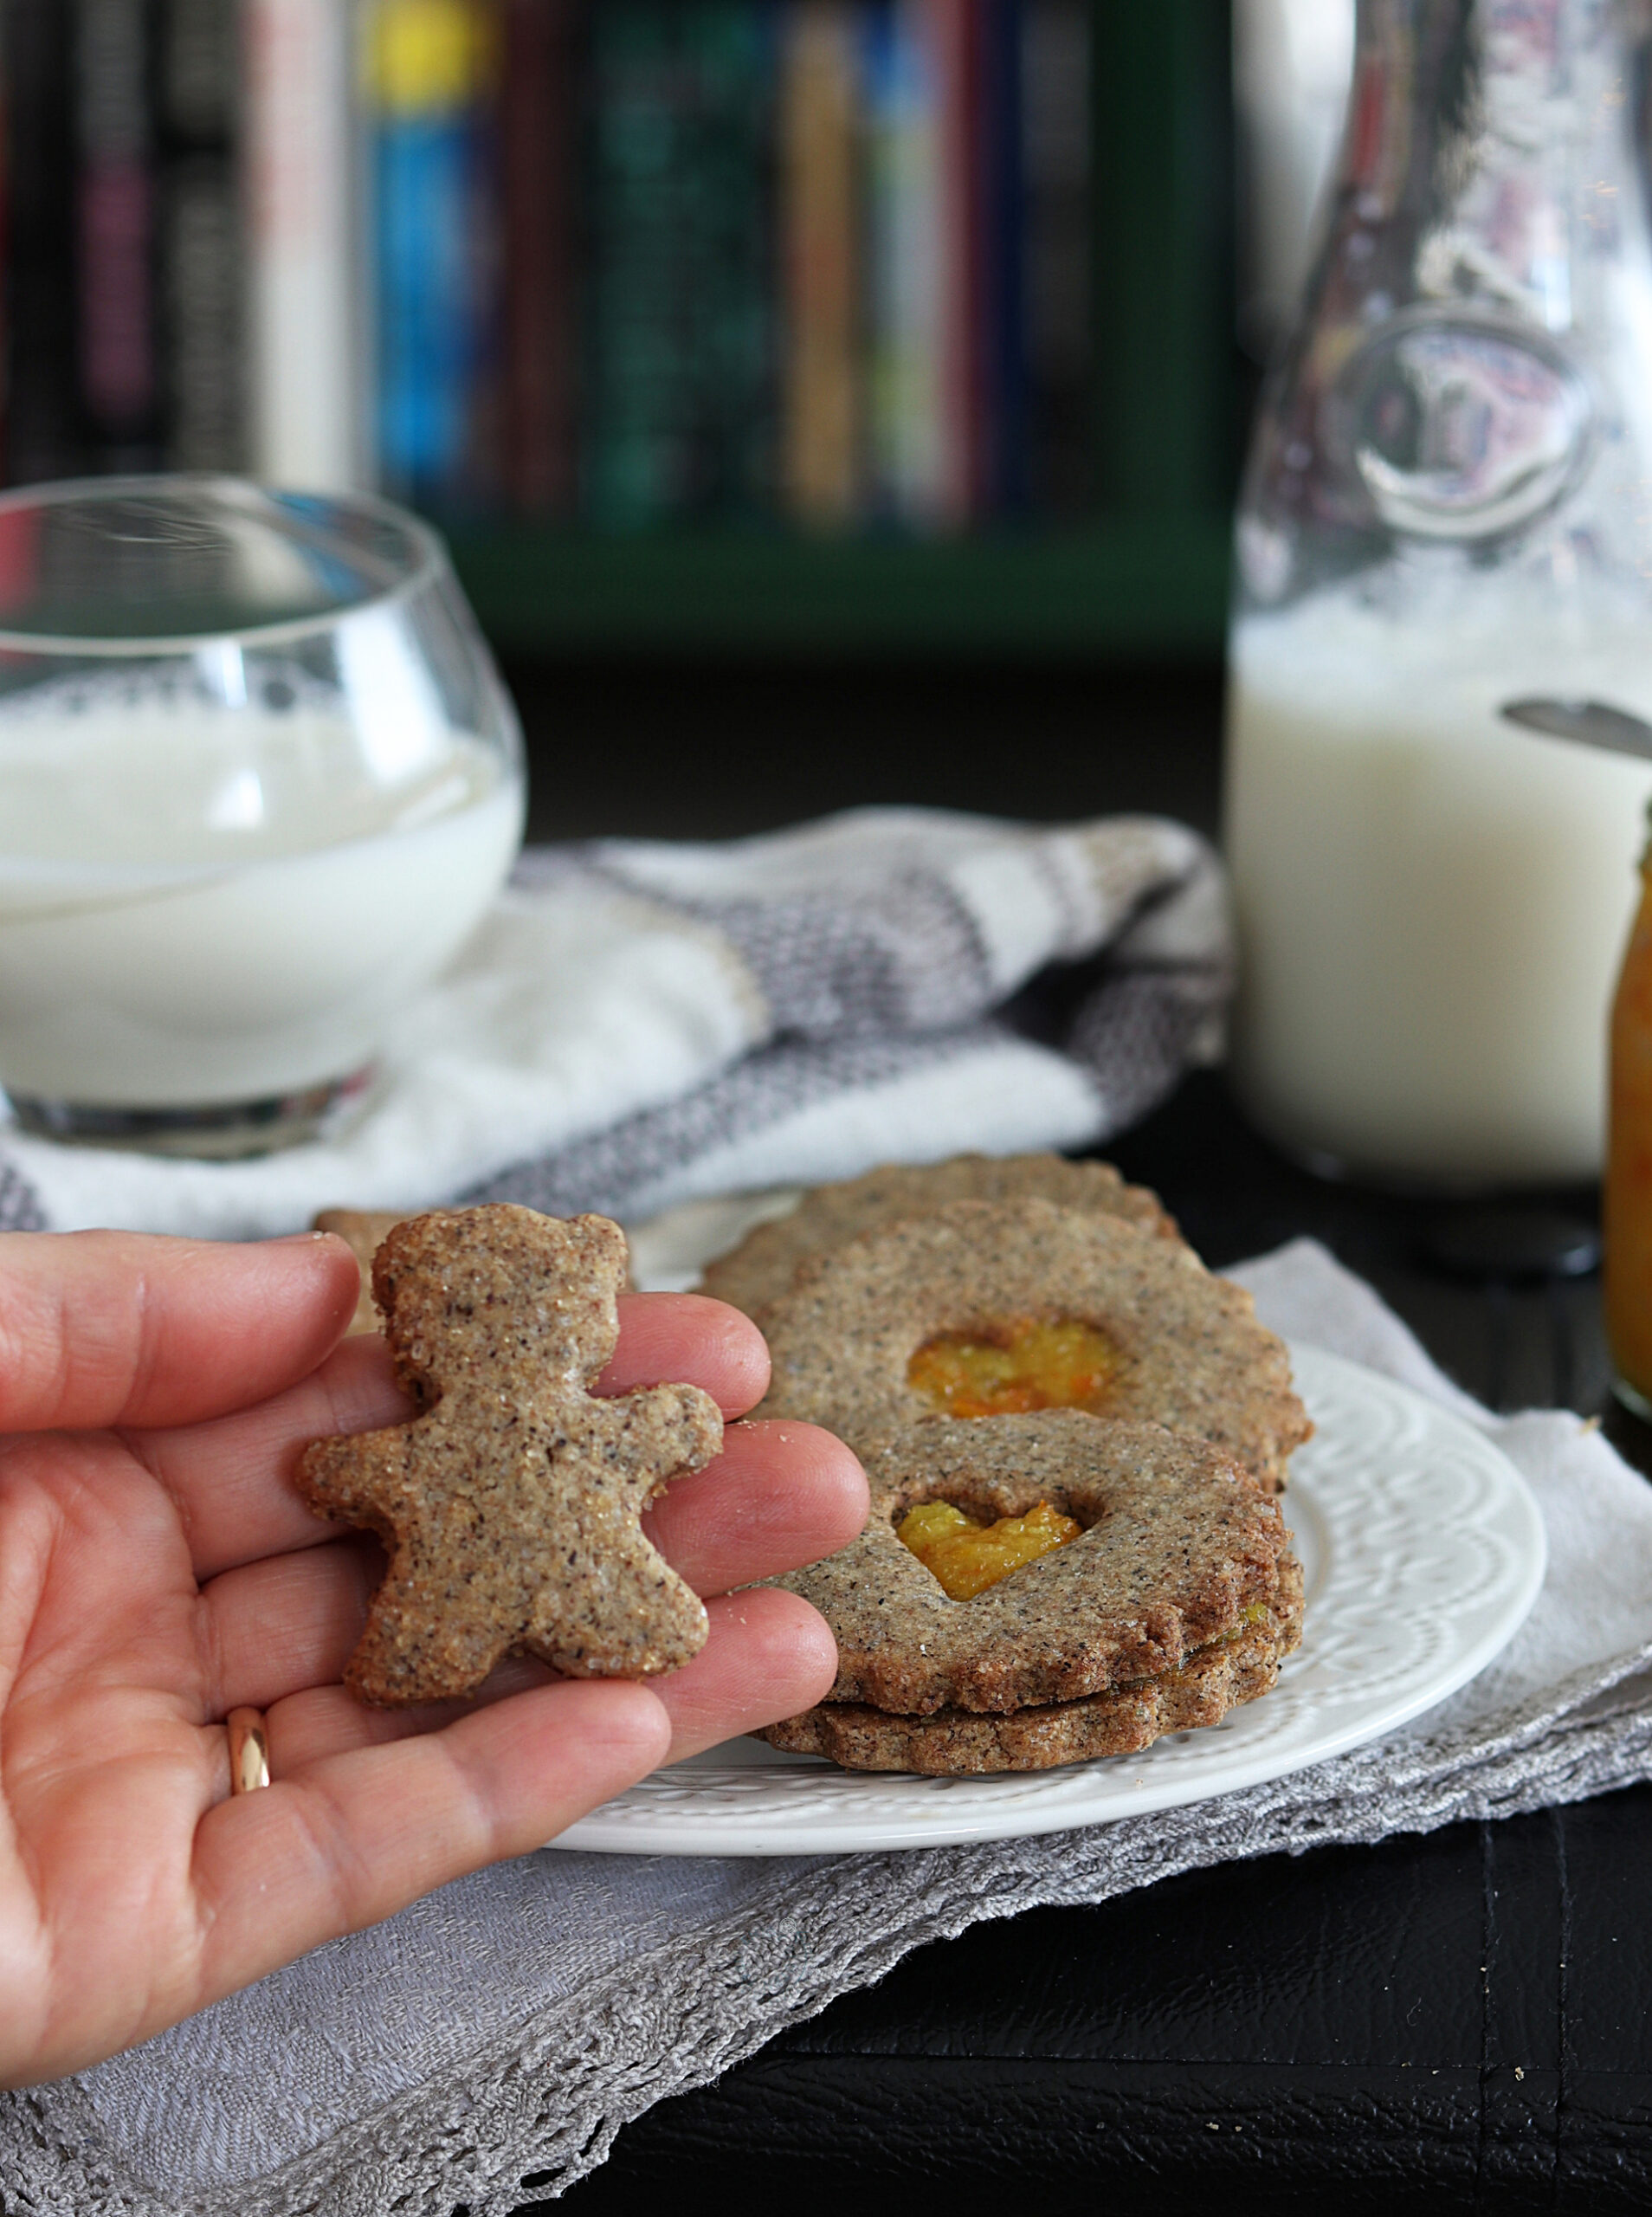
x,y
654,747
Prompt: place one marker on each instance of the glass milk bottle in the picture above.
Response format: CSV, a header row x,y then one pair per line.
x,y
1444,554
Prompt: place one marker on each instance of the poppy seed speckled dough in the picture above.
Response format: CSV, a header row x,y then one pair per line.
x,y
762,1266
953,1742
365,1231
1178,1546
1193,1357
510,1503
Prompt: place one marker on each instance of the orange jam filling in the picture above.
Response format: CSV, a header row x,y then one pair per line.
x,y
1020,1365
967,1557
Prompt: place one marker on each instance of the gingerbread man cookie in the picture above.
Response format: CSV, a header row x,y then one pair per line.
x,y
510,1503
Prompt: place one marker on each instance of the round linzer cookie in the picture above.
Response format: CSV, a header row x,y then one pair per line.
x,y
868,1337
1178,1548
762,1266
964,1743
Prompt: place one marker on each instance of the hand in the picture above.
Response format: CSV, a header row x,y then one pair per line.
x,y
157,1569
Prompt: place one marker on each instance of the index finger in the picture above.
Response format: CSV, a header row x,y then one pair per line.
x,y
123,1327
232,1477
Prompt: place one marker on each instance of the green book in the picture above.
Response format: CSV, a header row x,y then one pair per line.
x,y
681,369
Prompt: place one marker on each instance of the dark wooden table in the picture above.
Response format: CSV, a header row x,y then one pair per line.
x,y
1450,2023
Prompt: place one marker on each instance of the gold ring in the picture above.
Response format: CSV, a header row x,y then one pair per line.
x,y
248,1749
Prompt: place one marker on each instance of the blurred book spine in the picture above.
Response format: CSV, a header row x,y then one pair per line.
x,y
1000,481
625,263
114,216
635,462
975,65
823,434
199,282
431,77
734,337
43,431
1057,256
539,156
681,351
905,262
954,31
303,333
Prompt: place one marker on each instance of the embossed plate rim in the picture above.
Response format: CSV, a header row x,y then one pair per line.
x,y
1352,1681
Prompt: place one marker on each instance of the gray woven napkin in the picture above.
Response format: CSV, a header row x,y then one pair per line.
x,y
504,2029
638,1024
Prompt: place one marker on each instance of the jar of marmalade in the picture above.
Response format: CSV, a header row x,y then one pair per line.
x,y
1628,1199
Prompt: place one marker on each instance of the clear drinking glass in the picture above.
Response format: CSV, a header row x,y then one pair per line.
x,y
1447,516
258,779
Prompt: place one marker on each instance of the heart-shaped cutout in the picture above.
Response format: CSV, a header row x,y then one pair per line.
x,y
1177,1543
965,1554
1011,1366
1192,1356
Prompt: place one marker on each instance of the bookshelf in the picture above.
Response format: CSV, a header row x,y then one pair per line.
x,y
1145,578
254,150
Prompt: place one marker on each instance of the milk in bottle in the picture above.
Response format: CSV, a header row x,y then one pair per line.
x,y
1446,509
1432,901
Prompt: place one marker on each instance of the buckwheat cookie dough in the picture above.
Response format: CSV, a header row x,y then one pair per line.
x,y
956,1741
1178,1547
511,1503
764,1265
365,1231
1185,1350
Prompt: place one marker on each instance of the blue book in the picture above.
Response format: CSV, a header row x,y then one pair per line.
x,y
905,305
435,306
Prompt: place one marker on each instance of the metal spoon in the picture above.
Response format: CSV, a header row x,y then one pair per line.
x,y
1595,722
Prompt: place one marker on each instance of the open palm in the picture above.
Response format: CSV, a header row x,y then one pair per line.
x,y
157,1569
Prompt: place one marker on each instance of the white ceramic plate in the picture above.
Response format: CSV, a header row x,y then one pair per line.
x,y
1423,1550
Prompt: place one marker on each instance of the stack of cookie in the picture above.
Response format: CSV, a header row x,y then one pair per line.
x,y
1015,1336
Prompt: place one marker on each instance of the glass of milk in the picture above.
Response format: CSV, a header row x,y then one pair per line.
x,y
1447,510
258,779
